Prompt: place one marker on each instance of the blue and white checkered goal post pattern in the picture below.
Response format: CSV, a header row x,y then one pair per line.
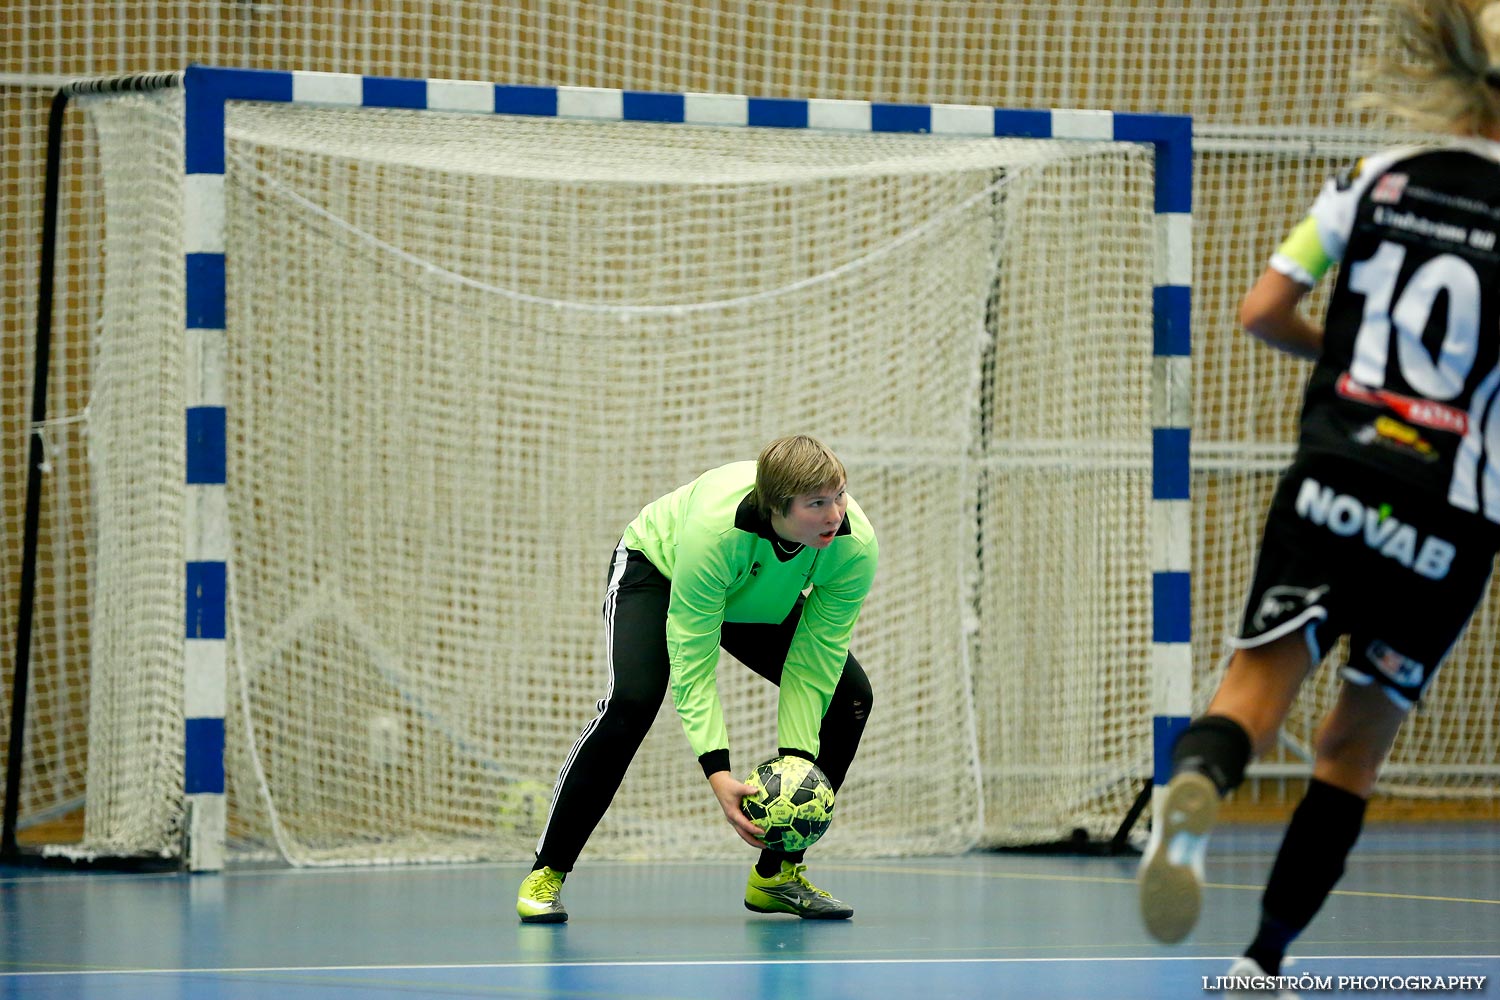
x,y
911,425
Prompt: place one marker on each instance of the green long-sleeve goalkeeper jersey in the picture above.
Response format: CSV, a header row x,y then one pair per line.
x,y
724,564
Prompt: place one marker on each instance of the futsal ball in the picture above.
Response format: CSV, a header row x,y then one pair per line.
x,y
793,802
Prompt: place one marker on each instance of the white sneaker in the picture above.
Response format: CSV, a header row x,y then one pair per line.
x,y
1247,967
1170,879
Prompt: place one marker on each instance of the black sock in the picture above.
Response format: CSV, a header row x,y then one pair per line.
x,y
769,862
1311,860
1270,944
1214,745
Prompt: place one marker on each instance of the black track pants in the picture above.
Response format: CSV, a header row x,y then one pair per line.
x,y
635,617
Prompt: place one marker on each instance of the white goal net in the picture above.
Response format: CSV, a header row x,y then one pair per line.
x,y
464,350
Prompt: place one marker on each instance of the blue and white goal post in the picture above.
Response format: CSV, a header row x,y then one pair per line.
x,y
208,90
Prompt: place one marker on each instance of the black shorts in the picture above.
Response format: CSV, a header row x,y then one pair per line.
x,y
1347,551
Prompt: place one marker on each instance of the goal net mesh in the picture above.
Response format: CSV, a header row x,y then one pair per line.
x,y
463,351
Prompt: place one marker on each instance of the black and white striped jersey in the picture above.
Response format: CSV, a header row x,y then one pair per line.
x,y
1408,377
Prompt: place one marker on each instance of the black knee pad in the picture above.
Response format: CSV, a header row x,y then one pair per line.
x,y
1218,747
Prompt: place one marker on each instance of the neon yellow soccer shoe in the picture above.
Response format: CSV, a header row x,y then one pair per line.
x,y
540,898
788,891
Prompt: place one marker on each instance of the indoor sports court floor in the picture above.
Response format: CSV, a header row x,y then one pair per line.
x,y
1417,901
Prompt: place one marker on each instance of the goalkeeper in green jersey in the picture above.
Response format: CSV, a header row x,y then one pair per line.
x,y
771,560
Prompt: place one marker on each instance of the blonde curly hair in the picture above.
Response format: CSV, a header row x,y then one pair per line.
x,y
1438,69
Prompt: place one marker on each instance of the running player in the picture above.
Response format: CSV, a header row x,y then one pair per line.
x,y
1384,528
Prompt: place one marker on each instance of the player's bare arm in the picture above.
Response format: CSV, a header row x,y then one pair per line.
x,y
1270,313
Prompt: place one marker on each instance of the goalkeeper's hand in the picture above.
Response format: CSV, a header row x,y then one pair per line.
x,y
731,791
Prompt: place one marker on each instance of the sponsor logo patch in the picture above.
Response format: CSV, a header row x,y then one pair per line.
x,y
1412,409
1388,189
1280,603
1381,530
1396,436
1397,666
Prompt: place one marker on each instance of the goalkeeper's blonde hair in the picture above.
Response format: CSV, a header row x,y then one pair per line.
x,y
793,466
1437,68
